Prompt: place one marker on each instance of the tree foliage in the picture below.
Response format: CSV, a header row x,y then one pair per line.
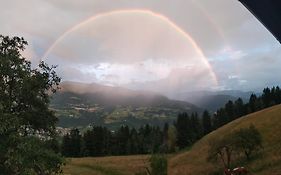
x,y
232,111
159,165
26,123
248,141
100,141
206,122
230,147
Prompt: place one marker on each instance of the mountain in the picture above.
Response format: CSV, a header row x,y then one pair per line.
x,y
212,100
79,104
266,121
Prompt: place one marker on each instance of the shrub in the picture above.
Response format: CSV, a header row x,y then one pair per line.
x,y
158,165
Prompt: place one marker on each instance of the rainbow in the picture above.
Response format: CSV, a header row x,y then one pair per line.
x,y
137,11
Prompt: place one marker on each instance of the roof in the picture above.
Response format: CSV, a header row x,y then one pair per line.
x,y
268,12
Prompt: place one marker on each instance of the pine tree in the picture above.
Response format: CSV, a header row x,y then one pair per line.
x,y
206,122
266,97
196,128
229,109
88,142
253,103
183,130
239,110
75,143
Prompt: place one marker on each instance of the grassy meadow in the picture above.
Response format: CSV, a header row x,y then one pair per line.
x,y
112,165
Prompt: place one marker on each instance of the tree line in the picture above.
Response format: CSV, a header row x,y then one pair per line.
x,y
233,110
100,141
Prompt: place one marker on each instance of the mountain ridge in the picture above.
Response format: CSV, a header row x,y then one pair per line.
x,y
105,105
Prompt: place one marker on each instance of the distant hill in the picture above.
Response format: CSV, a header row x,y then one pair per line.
x,y
79,104
212,100
266,121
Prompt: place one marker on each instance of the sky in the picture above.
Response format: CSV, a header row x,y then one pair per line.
x,y
166,46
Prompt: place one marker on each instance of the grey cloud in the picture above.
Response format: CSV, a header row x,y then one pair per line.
x,y
215,25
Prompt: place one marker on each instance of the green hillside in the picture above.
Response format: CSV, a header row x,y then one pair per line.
x,y
78,105
267,121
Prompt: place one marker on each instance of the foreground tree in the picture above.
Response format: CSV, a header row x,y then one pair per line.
x,y
221,150
248,141
229,148
26,123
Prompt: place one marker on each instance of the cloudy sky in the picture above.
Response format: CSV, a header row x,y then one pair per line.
x,y
166,46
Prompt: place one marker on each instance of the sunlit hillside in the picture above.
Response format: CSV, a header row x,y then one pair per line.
x,y
266,121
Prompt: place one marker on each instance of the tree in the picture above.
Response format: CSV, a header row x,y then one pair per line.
x,y
248,141
221,149
172,138
277,95
266,97
165,133
229,109
66,145
26,122
220,118
244,141
157,139
206,122
123,139
159,165
183,131
239,108
196,127
75,140
133,142
252,103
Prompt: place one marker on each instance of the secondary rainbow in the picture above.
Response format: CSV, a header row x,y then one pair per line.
x,y
138,11
213,23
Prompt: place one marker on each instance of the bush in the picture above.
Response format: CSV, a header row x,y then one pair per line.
x,y
158,165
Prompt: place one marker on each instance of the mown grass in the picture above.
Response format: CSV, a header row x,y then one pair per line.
x,y
267,121
113,165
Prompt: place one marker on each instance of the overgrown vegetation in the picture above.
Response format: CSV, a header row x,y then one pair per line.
x,y
27,126
159,165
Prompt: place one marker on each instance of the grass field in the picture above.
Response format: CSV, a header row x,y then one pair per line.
x,y
115,165
267,121
193,161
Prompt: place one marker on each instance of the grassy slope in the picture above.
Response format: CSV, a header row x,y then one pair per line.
x,y
267,121
115,165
